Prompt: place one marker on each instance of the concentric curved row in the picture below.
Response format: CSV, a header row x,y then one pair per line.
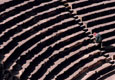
x,y
43,40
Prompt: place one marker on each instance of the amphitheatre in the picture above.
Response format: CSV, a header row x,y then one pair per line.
x,y
53,40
